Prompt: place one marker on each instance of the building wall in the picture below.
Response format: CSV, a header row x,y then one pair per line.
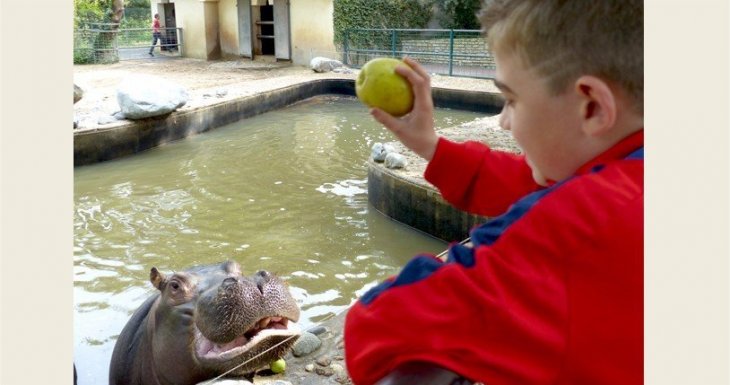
x,y
312,30
228,19
187,17
210,28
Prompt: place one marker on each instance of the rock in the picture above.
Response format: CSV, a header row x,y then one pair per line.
x,y
323,64
309,367
340,373
327,372
78,93
395,160
317,330
307,343
380,151
323,361
144,96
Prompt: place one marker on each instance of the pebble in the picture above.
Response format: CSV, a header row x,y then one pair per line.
x,y
309,367
317,330
380,151
323,361
306,344
339,370
327,372
395,160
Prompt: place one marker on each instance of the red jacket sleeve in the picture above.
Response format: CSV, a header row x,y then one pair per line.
x,y
477,179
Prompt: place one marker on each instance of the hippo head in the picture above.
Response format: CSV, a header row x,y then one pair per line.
x,y
208,321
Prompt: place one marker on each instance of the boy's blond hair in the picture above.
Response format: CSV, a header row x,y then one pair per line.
x,y
564,39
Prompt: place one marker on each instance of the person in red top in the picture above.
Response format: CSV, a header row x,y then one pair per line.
x,y
551,289
156,35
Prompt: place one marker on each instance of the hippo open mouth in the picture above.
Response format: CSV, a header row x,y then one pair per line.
x,y
206,322
265,340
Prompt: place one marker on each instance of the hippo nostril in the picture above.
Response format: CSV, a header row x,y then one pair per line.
x,y
262,277
260,286
230,281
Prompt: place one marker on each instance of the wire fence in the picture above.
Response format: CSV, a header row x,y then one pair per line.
x,y
107,43
450,52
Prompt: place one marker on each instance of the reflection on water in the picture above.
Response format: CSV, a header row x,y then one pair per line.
x,y
285,191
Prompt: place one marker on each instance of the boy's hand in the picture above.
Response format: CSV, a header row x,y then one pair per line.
x,y
414,130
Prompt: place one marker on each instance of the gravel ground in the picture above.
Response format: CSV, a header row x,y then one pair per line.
x,y
201,78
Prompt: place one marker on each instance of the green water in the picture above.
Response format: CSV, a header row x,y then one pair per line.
x,y
285,191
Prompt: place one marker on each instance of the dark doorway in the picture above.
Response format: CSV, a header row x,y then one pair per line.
x,y
267,30
169,35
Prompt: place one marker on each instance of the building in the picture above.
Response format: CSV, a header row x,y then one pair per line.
x,y
280,30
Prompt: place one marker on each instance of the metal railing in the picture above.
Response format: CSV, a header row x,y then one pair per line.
x,y
453,52
105,44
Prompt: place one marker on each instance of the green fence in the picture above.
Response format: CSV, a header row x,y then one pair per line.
x,y
107,43
450,52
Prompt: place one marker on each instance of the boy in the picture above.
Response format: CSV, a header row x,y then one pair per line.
x,y
552,290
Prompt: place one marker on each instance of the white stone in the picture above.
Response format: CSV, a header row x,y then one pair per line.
x,y
143,96
395,160
323,64
380,151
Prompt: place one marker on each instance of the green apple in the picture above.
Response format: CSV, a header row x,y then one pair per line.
x,y
278,366
378,85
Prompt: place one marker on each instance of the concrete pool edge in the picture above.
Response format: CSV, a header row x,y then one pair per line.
x,y
102,144
413,202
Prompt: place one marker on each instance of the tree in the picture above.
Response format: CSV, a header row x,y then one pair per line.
x,y
105,43
458,14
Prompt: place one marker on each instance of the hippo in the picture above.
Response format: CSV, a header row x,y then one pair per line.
x,y
205,322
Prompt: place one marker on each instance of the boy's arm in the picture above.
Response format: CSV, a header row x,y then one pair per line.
x,y
477,179
470,176
500,322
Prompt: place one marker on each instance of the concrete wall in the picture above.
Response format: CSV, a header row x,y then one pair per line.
x,y
228,21
312,30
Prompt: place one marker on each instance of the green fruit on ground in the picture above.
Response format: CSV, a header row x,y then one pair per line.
x,y
278,366
378,85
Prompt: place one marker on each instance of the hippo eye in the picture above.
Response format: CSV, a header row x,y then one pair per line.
x,y
174,285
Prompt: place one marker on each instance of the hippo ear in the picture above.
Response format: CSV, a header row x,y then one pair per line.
x,y
232,267
157,278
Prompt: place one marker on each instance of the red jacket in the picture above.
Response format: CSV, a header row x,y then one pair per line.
x,y
552,292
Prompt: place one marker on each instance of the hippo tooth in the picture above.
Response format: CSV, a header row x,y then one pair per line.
x,y
264,322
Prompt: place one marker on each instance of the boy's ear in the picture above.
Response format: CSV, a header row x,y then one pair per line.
x,y
598,105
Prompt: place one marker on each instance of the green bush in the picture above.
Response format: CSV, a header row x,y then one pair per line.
x,y
458,14
377,14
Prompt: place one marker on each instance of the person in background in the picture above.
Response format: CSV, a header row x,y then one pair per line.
x,y
156,35
551,289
